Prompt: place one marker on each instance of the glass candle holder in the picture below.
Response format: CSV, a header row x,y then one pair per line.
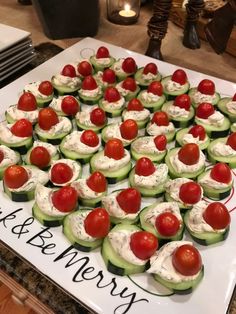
x,y
123,12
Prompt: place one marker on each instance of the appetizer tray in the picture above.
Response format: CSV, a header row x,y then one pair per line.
x,y
83,275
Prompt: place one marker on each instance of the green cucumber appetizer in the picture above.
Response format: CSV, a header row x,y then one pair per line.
x,y
227,105
66,85
124,67
112,102
102,59
90,92
146,75
173,86
136,111
66,106
43,92
8,157
151,101
93,118
128,88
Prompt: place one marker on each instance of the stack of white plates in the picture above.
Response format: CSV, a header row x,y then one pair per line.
x,y
16,50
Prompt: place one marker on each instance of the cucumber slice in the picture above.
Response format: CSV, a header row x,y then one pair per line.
x,y
96,129
61,90
21,147
3,168
222,107
53,139
111,113
153,157
182,207
206,238
92,203
192,92
141,123
121,75
114,262
79,244
101,67
145,191
215,131
46,220
89,100
111,176
169,136
126,143
231,161
172,94
144,83
44,102
130,95
179,122
179,139
174,174
28,162
152,106
184,287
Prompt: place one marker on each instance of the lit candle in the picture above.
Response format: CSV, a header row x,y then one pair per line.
x,y
127,12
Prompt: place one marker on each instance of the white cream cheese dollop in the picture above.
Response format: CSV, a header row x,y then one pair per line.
x,y
76,221
10,156
84,190
7,136
102,61
56,103
172,86
63,126
177,112
74,165
149,97
71,82
146,145
216,119
18,114
180,167
173,186
198,97
154,129
113,131
211,183
158,177
136,115
189,138
119,104
83,117
91,93
34,89
106,163
149,76
50,148
222,149
117,66
73,143
231,107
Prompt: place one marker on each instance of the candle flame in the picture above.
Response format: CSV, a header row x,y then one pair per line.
x,y
127,7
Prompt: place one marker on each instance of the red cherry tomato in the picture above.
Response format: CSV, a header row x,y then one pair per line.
x,y
179,76
109,76
206,87
40,157
22,128
190,193
155,88
1,155
47,118
143,244
15,176
160,142
129,65
65,199
167,224
102,52
70,105
84,68
234,97
89,83
189,154
97,182
150,68
160,118
27,102
135,105
111,94
129,200
97,223
114,149
144,167
98,116
68,70
231,141
187,260
90,138
183,101
129,129
217,216
221,173
129,84
46,88
204,110
198,131
61,173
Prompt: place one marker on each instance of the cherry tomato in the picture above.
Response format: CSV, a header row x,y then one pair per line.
x,y
97,223
46,88
65,199
204,110
206,87
89,83
150,68
109,76
68,70
221,173
144,167
129,65
114,149
90,138
97,182
183,101
129,84
187,260
190,193
47,118
217,216
198,131
15,176
27,102
22,128
129,200
135,105
98,116
231,141
102,52
143,244
167,224
70,105
234,97
160,118
61,173
84,68
40,157
129,129
189,154
1,155
160,142
111,94
155,88
179,76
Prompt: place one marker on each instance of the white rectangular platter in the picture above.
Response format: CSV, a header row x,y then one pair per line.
x,y
83,275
